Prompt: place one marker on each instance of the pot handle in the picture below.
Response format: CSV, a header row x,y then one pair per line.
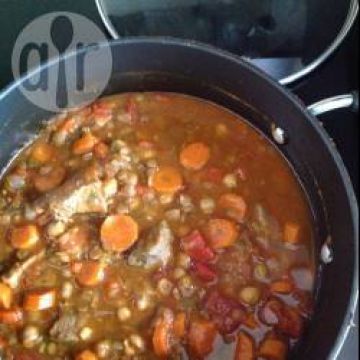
x,y
337,102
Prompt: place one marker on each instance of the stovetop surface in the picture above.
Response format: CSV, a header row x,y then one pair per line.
x,y
338,76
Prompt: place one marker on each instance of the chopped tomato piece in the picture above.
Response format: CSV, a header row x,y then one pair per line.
x,y
195,246
204,272
214,175
39,300
245,349
226,313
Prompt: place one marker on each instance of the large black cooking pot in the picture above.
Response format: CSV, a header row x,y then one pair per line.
x,y
170,65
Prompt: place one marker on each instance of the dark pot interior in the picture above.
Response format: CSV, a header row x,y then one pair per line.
x,y
208,73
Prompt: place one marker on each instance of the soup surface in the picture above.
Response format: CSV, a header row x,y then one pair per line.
x,y
153,226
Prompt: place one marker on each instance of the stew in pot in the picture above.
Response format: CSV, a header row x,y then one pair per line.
x,y
153,226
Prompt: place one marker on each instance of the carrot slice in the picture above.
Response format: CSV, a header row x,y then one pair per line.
x,y
273,349
6,296
86,355
12,316
90,273
85,144
245,349
119,233
51,180
43,153
234,205
167,180
202,335
24,237
180,325
221,233
163,332
101,150
282,287
195,156
292,233
39,300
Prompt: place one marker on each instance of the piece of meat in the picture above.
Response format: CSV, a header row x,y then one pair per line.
x,y
90,198
67,327
226,313
84,177
83,193
154,251
284,318
234,268
13,277
76,240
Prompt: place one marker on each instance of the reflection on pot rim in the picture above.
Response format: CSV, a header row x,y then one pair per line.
x,y
284,80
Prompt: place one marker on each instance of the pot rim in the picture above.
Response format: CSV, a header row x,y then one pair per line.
x,y
292,78
338,162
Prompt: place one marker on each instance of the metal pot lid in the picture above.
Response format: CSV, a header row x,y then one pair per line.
x,y
288,39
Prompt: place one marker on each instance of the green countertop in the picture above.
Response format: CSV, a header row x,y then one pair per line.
x,y
16,14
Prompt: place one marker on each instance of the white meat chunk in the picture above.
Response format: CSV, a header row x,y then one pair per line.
x,y
91,198
155,251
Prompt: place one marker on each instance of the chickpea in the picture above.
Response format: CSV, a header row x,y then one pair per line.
x,y
230,181
129,349
51,349
187,287
86,333
31,336
250,295
103,349
184,261
165,286
207,205
124,314
138,342
179,273
67,290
